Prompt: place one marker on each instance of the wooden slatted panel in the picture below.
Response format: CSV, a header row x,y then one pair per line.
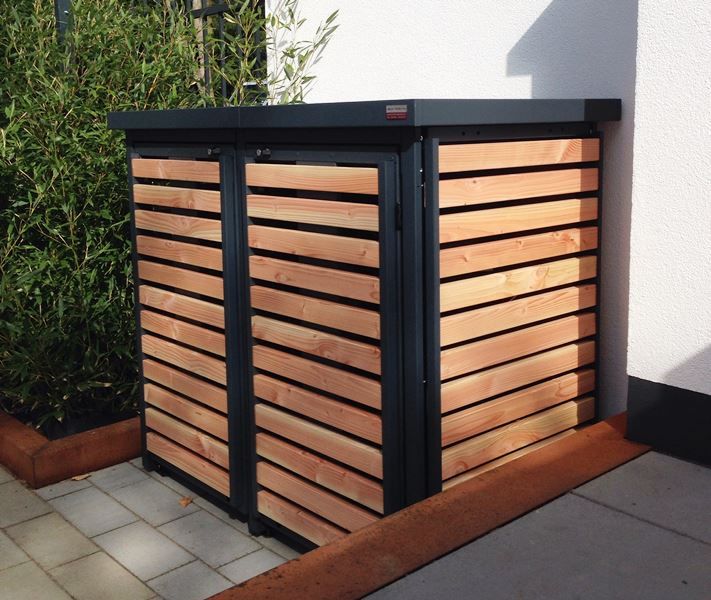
x,y
329,379
190,254
203,470
193,439
501,253
183,332
175,197
350,215
306,524
319,439
507,155
206,393
353,180
183,306
341,512
194,227
511,219
492,351
314,310
184,358
177,170
339,479
507,284
470,191
200,283
514,313
484,384
494,413
489,446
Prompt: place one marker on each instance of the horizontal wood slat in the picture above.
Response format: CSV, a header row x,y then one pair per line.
x,y
514,313
336,414
191,254
193,439
511,219
350,215
200,283
319,439
470,191
492,351
297,520
329,379
489,446
206,393
183,332
184,358
194,227
199,416
524,280
314,310
502,253
338,248
507,155
319,501
494,413
183,306
353,180
175,197
320,279
484,384
339,479
177,170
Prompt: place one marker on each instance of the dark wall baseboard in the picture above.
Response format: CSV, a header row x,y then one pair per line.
x,y
670,419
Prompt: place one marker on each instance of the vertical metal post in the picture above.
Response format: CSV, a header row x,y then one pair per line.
x,y
62,13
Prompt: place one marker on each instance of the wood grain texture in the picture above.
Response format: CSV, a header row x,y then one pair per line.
x,y
176,170
336,414
323,377
508,346
470,191
355,454
343,513
350,215
458,393
194,227
183,306
514,313
326,345
324,472
203,470
193,439
510,251
191,254
206,393
489,446
314,310
494,413
184,358
352,180
175,197
507,155
511,219
320,279
300,521
200,283
183,332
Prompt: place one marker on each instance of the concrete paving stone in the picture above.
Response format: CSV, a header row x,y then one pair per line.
x,y
62,488
216,511
570,548
51,541
10,553
92,511
5,475
28,582
118,476
194,581
18,504
251,565
99,576
142,550
168,481
669,492
137,462
209,538
280,548
153,501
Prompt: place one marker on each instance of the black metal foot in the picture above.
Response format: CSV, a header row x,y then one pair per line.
x,y
256,527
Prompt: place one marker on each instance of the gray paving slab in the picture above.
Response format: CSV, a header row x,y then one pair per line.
x,y
144,551
118,476
10,553
5,475
28,582
92,511
570,548
62,488
51,541
221,514
194,581
251,565
278,547
168,481
672,493
19,504
153,501
209,539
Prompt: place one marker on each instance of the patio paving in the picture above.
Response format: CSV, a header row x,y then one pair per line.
x,y
122,533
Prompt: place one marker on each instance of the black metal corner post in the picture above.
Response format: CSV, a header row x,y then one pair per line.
x,y
598,272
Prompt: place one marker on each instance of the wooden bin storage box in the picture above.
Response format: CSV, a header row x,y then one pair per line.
x,y
345,308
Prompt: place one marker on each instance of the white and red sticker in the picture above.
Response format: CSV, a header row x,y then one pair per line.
x,y
396,112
